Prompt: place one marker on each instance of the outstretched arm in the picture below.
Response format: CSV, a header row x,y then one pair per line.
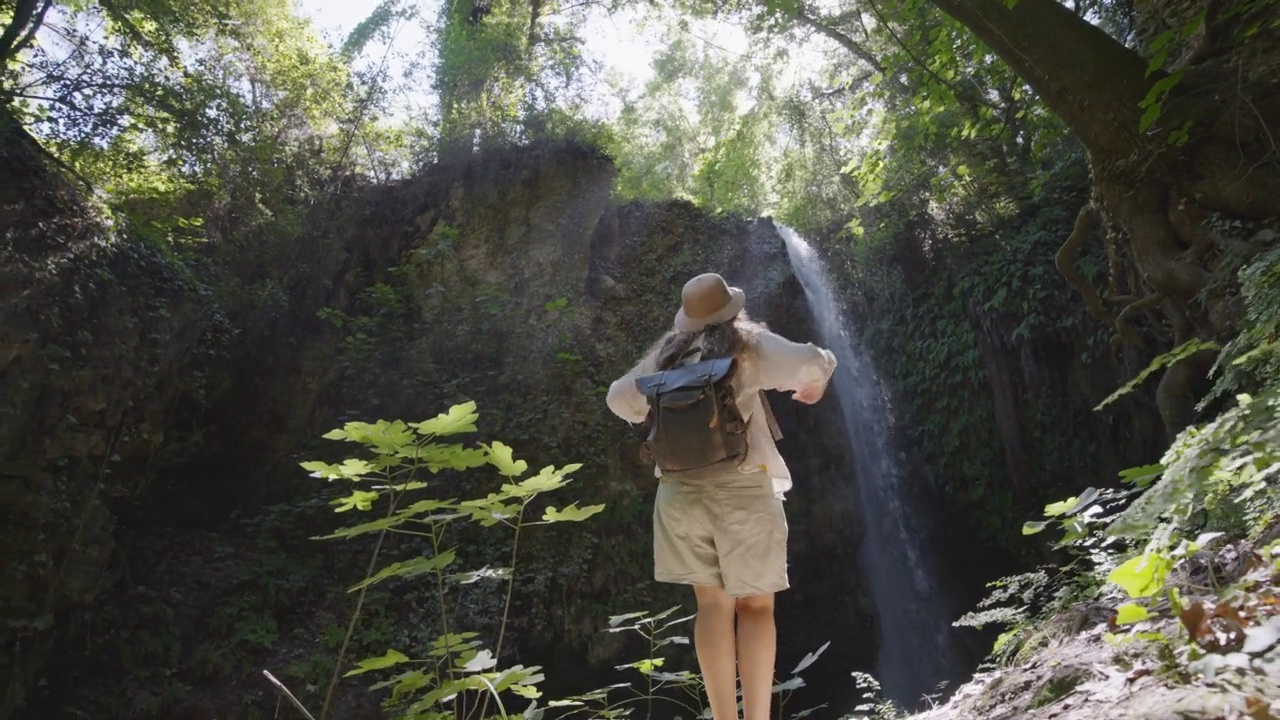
x,y
802,368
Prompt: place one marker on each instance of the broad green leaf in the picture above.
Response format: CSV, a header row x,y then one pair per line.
x,y
572,513
484,573
322,470
384,436
423,506
403,487
385,523
1142,576
1060,508
490,511
406,683
480,662
616,620
460,419
1130,613
795,682
408,568
455,456
1031,528
645,666
393,657
1071,505
360,500
810,658
1143,475
500,456
353,468
525,691
506,679
453,644
1004,639
546,480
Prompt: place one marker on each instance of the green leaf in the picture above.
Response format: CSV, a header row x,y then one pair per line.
x,y
525,691
810,658
1004,639
1149,117
393,657
453,644
616,620
460,419
793,683
408,568
1142,576
1031,528
447,457
1181,352
353,468
1060,508
480,662
484,573
384,436
1130,613
385,523
321,469
500,457
360,500
1142,476
573,513
422,506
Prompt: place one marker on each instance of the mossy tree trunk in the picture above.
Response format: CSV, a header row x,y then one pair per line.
x,y
1180,198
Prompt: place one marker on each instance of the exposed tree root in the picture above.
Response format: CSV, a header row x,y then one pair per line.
x,y
1086,223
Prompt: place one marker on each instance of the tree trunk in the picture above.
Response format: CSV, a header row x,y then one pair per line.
x,y
1181,199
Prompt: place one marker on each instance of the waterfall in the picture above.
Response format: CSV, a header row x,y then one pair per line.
x,y
916,652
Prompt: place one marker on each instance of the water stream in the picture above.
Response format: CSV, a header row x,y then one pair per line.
x,y
916,653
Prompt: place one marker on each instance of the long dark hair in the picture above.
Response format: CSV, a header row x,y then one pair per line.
x,y
732,338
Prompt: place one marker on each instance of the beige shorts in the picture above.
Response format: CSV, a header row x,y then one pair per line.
x,y
730,532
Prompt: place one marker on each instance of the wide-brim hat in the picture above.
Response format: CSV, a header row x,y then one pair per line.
x,y
707,300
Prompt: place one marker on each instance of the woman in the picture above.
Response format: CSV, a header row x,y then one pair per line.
x,y
727,535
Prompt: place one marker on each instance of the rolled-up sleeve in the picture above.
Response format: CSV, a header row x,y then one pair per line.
x,y
786,365
626,401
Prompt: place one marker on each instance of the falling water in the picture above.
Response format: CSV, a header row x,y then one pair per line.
x,y
916,653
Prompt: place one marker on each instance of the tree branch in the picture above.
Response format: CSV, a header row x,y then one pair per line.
x,y
1092,82
32,28
970,99
848,43
23,15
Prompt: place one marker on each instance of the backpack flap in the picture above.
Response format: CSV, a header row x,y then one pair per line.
x,y
695,421
690,377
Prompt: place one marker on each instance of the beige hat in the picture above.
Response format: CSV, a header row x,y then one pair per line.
x,y
706,300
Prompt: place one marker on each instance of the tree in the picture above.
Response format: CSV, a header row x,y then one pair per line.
x,y
700,127
502,68
1179,129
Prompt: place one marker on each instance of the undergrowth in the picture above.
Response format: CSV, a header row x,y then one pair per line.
x,y
1185,554
457,672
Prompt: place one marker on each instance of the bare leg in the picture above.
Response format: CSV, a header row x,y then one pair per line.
x,y
757,651
713,641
